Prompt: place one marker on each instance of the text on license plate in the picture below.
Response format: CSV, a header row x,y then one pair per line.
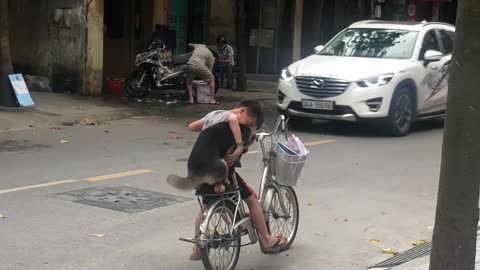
x,y
318,104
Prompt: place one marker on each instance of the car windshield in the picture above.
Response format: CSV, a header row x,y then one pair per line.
x,y
373,43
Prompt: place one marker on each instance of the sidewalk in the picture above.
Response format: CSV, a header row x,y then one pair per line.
x,y
53,110
424,262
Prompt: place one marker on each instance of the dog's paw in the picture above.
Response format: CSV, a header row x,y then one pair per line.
x,y
219,188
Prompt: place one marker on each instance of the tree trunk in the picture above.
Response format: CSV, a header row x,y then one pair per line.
x,y
455,234
7,97
242,46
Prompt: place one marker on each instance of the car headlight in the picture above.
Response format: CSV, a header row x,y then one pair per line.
x,y
375,80
286,75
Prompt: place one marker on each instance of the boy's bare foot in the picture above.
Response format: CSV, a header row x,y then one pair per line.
x,y
196,256
274,244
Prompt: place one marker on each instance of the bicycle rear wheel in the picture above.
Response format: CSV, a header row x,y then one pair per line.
x,y
283,220
223,249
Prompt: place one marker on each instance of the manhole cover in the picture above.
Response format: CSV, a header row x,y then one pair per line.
x,y
120,198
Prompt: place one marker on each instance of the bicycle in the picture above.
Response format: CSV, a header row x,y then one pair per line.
x,y
224,220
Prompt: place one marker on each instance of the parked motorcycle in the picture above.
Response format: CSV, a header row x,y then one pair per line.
x,y
151,74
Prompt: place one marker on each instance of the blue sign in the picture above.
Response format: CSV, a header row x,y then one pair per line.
x,y
21,90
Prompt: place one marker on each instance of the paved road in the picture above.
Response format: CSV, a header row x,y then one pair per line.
x,y
356,186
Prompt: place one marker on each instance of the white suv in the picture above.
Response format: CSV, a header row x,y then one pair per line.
x,y
394,72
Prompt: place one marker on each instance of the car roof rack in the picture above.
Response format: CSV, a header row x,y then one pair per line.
x,y
424,23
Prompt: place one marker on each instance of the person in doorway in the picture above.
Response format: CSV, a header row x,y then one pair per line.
x,y
200,66
226,60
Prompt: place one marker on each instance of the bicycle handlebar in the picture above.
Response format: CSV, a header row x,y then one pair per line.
x,y
281,123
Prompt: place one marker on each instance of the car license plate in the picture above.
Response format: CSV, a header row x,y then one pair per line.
x,y
318,104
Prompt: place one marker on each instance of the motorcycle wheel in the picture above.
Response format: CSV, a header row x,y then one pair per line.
x,y
138,85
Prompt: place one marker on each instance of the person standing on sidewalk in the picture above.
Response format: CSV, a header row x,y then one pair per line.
x,y
200,65
227,60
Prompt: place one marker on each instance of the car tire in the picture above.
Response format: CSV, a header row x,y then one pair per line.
x,y
402,112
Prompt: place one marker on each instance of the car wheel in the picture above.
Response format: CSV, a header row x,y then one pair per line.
x,y
402,112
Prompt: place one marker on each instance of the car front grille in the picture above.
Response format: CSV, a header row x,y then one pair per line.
x,y
319,87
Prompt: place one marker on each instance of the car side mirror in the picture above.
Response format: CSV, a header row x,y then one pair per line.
x,y
433,56
318,49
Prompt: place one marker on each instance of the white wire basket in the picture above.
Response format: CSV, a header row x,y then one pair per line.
x,y
286,167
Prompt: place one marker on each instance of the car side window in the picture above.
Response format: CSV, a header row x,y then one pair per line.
x,y
430,42
447,38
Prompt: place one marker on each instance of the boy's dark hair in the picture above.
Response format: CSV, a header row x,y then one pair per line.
x,y
254,110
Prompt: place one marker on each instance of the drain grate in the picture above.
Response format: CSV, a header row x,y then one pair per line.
x,y
411,254
120,198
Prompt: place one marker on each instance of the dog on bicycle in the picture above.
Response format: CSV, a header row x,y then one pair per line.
x,y
206,164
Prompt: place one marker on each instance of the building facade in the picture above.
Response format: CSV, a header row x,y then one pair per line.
x,y
79,43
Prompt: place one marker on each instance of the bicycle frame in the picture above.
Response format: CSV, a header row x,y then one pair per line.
x,y
244,223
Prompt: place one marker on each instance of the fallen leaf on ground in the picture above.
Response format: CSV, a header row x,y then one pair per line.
x,y
374,241
2,216
88,122
389,251
63,141
309,204
99,235
418,243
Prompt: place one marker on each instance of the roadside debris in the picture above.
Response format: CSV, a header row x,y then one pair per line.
x,y
374,241
171,102
2,216
388,251
174,135
309,204
89,122
38,83
99,235
418,243
64,141
369,227
68,123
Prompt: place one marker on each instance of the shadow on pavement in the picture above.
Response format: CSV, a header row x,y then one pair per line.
x,y
354,129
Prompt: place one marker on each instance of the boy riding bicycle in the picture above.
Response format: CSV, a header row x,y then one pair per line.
x,y
249,114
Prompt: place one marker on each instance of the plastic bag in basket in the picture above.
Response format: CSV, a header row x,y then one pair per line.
x,y
296,145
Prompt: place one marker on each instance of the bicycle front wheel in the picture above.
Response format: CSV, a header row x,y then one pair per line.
x,y
282,215
223,248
